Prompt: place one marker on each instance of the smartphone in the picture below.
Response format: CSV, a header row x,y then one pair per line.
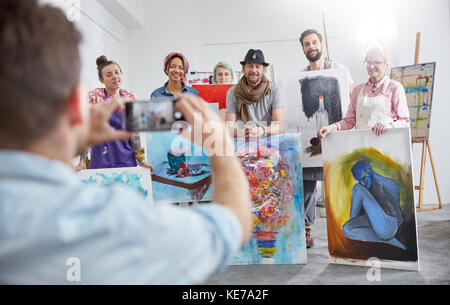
x,y
156,114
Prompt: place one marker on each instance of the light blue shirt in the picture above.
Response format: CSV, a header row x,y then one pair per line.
x,y
54,230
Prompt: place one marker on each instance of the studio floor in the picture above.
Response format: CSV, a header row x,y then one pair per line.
x,y
434,246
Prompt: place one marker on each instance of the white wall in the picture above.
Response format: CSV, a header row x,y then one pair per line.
x,y
102,34
431,18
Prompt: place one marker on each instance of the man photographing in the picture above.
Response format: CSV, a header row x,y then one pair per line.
x,y
49,216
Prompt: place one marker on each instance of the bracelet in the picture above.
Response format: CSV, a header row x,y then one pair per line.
x,y
264,131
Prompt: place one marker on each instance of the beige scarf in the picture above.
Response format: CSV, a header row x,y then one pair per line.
x,y
245,96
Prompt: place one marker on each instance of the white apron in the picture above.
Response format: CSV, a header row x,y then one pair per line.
x,y
371,110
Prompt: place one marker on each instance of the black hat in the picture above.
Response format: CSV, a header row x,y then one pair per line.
x,y
254,56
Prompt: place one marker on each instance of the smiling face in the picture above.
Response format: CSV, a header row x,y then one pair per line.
x,y
112,77
223,76
376,67
254,73
312,47
175,70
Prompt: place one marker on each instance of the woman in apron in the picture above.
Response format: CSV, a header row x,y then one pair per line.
x,y
377,104
114,154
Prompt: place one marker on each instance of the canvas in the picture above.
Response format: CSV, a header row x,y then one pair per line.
x,y
368,182
214,94
301,92
273,168
182,169
418,81
136,178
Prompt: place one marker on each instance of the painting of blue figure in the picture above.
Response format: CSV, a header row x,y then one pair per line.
x,y
375,213
136,178
369,195
182,169
273,168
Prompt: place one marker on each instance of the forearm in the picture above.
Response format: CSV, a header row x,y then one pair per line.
x,y
234,129
274,129
232,191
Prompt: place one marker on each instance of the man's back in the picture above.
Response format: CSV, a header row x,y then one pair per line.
x,y
50,222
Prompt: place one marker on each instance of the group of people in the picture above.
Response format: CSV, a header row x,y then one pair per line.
x,y
115,235
377,104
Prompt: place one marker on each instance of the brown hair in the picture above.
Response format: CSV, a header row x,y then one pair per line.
x,y
309,32
103,62
39,69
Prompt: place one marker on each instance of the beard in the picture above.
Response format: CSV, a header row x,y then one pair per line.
x,y
255,80
314,58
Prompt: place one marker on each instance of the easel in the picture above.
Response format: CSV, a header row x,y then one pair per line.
x,y
326,39
425,146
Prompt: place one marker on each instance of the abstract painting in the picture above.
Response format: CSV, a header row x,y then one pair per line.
x,y
314,99
182,169
136,178
368,182
273,168
418,81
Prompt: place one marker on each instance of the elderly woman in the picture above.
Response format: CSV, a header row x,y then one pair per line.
x,y
377,104
125,153
223,74
176,68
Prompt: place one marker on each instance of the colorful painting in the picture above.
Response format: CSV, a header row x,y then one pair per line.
x,y
314,99
274,171
136,178
182,169
418,81
368,182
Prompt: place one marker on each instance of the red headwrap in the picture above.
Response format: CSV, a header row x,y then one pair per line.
x,y
185,63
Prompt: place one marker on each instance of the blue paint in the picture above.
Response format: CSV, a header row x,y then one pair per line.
x,y
129,179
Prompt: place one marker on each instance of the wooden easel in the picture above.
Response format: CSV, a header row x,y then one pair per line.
x,y
426,146
326,39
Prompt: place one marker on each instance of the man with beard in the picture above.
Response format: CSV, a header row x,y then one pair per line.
x,y
254,101
312,45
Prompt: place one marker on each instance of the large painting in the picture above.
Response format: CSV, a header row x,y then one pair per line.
x,y
368,182
182,169
418,81
274,171
136,178
314,99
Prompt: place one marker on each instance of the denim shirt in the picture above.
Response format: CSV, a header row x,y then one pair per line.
x,y
163,92
50,223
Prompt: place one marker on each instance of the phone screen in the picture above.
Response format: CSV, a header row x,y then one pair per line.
x,y
156,114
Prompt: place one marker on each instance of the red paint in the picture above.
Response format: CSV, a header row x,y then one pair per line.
x,y
214,93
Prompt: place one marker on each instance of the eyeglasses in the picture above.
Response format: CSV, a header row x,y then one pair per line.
x,y
374,63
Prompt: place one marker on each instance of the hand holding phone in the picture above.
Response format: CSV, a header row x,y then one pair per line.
x,y
154,115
